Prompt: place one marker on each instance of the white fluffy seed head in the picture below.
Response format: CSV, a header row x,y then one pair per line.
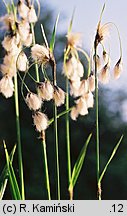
x,y
10,44
118,69
23,29
58,96
74,39
73,69
81,106
6,86
40,54
80,69
22,62
45,90
32,17
104,75
89,99
98,61
106,57
33,101
40,121
84,87
28,40
74,87
91,81
9,65
23,9
8,21
74,113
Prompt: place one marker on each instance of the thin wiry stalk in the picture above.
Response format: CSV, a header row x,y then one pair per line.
x,y
57,152
43,141
56,135
67,123
97,125
68,132
21,175
46,165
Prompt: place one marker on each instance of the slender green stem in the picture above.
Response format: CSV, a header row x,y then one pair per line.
x,y
97,123
46,165
19,140
56,133
34,42
68,132
67,121
44,143
57,152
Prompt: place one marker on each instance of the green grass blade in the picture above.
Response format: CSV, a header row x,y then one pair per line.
x,y
110,159
79,163
4,175
60,115
71,22
52,42
12,178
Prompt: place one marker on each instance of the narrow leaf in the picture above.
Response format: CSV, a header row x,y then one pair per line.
x,y
60,115
44,36
110,159
4,175
79,163
71,22
12,178
52,42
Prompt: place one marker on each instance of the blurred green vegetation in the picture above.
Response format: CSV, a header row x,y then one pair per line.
x,y
112,126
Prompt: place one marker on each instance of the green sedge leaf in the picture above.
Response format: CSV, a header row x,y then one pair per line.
x,y
60,115
12,178
4,175
71,22
110,159
52,42
79,163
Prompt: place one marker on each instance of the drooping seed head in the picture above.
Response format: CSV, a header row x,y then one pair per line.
x,y
89,99
118,69
74,87
40,54
84,87
22,62
6,86
81,106
58,96
23,9
74,39
74,113
32,17
91,81
45,90
28,40
104,74
10,44
40,121
8,21
102,33
9,65
23,29
33,101
98,61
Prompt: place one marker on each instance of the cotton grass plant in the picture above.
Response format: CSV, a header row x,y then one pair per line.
x,y
82,86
